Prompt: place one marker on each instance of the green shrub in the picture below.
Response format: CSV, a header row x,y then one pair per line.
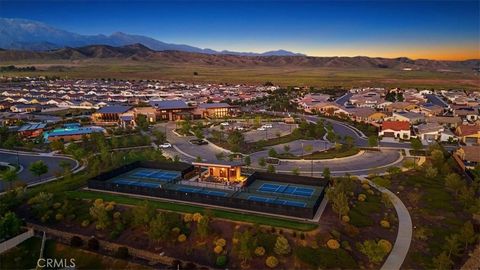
x,y
221,261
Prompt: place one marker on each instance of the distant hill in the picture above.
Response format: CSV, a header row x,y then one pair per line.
x,y
140,52
22,34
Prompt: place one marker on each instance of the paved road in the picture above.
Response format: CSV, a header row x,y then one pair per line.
x,y
364,163
26,159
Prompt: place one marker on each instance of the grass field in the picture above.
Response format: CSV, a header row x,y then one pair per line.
x,y
183,208
284,76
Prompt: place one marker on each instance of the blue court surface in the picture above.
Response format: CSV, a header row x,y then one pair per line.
x,y
286,189
202,191
156,174
277,201
136,183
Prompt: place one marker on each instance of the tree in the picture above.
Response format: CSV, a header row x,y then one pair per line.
x,y
10,225
262,162
271,168
142,122
198,159
159,136
38,168
158,227
143,213
467,234
198,133
9,176
372,250
101,213
372,141
235,139
452,244
57,146
416,144
431,172
296,171
339,201
282,247
454,183
326,173
437,157
349,141
65,165
442,261
203,226
247,160
272,152
245,246
286,148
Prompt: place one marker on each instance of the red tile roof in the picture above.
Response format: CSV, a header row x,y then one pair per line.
x,y
466,130
396,125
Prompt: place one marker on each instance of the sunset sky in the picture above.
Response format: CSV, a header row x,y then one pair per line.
x,y
416,29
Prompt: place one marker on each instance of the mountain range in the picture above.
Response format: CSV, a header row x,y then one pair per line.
x,y
22,34
140,53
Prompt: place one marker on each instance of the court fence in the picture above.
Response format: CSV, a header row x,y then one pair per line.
x,y
100,182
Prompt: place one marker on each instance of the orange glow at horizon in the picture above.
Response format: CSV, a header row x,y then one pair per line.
x,y
449,52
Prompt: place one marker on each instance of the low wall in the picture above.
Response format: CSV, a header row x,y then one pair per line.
x,y
15,241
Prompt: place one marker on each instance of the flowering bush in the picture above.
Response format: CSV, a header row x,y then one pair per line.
x,y
271,262
333,244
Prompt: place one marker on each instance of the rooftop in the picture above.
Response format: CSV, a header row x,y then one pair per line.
x,y
169,104
396,125
114,109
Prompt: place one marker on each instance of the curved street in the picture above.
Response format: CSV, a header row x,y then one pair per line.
x,y
25,159
363,163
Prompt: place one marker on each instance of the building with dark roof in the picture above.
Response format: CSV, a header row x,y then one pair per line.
x,y
215,110
109,115
172,110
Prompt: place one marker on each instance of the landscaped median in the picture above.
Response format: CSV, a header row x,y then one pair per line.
x,y
169,206
327,154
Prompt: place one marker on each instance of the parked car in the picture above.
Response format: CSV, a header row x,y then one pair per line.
x,y
198,142
224,124
239,128
165,145
261,129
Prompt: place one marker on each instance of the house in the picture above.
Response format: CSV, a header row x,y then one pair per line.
x,y
429,109
327,108
172,110
469,156
109,115
395,129
367,115
449,121
215,110
25,108
31,130
468,113
401,106
469,134
429,132
411,117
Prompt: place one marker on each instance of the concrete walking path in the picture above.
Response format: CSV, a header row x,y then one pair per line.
x,y
404,235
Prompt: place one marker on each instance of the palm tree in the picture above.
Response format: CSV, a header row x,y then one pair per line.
x,y
9,176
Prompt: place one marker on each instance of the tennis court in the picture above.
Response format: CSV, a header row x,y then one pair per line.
x,y
137,183
276,201
287,189
202,191
161,175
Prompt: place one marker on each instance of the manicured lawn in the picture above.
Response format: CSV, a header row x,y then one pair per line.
x,y
176,207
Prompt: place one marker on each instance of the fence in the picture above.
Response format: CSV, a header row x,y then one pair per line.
x,y
15,241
